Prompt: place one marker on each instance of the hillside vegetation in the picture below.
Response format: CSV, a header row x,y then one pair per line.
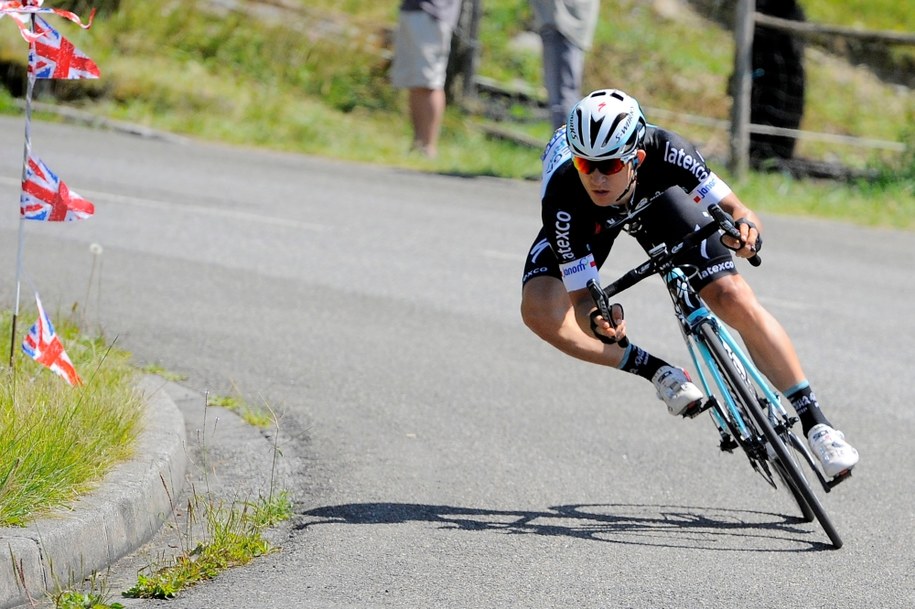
x,y
310,76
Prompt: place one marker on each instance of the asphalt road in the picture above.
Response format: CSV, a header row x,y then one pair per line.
x,y
441,456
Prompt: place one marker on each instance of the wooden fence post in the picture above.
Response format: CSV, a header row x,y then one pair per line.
x,y
470,71
460,85
742,85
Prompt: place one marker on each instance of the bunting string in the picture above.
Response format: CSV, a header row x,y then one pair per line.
x,y
21,11
44,196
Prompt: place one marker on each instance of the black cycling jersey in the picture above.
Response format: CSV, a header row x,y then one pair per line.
x,y
577,234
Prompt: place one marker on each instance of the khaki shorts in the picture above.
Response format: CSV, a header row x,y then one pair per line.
x,y
420,51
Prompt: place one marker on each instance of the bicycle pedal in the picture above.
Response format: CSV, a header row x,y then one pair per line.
x,y
838,479
695,409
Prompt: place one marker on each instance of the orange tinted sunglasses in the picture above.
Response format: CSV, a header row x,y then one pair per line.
x,y
607,167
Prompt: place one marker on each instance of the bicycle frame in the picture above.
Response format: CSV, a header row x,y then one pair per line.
x,y
692,312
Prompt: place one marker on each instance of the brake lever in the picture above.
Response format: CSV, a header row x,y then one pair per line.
x,y
604,306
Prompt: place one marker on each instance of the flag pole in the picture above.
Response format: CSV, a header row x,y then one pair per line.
x,y
27,148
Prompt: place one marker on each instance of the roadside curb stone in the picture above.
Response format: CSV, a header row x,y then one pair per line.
x,y
121,514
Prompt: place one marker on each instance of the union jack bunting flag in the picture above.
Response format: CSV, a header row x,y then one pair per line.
x,y
44,346
53,56
46,198
20,12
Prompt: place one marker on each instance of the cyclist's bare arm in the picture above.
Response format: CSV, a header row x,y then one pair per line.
x,y
583,305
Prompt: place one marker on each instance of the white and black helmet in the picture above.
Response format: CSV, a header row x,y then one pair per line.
x,y
607,124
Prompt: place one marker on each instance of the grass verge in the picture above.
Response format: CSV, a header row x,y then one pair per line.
x,y
57,441
211,534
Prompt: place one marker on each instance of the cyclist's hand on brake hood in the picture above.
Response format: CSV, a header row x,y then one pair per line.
x,y
745,221
750,240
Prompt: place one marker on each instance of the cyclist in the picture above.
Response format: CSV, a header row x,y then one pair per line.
x,y
604,162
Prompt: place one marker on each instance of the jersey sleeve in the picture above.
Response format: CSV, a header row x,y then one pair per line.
x,y
685,165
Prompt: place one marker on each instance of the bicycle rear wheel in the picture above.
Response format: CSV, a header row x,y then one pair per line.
x,y
784,461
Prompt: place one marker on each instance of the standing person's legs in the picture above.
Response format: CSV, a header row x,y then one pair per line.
x,y
420,61
427,108
563,64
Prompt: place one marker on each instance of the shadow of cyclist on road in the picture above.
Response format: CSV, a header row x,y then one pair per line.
x,y
654,525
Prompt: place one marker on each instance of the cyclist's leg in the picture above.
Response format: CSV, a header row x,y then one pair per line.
x,y
725,292
732,299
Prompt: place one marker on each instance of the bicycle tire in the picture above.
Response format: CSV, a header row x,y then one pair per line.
x,y
791,468
788,438
807,514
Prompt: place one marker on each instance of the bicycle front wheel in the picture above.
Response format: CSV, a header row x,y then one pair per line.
x,y
806,512
784,461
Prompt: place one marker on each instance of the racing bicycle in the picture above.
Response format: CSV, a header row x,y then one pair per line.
x,y
746,410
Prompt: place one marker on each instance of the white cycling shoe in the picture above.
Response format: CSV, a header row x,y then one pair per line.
x,y
676,390
831,449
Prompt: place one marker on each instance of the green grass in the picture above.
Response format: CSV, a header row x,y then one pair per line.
x,y
230,533
253,415
233,534
93,593
165,373
83,600
234,537
889,203
57,441
890,15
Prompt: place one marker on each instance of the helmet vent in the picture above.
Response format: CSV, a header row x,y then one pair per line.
x,y
595,131
579,126
610,132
